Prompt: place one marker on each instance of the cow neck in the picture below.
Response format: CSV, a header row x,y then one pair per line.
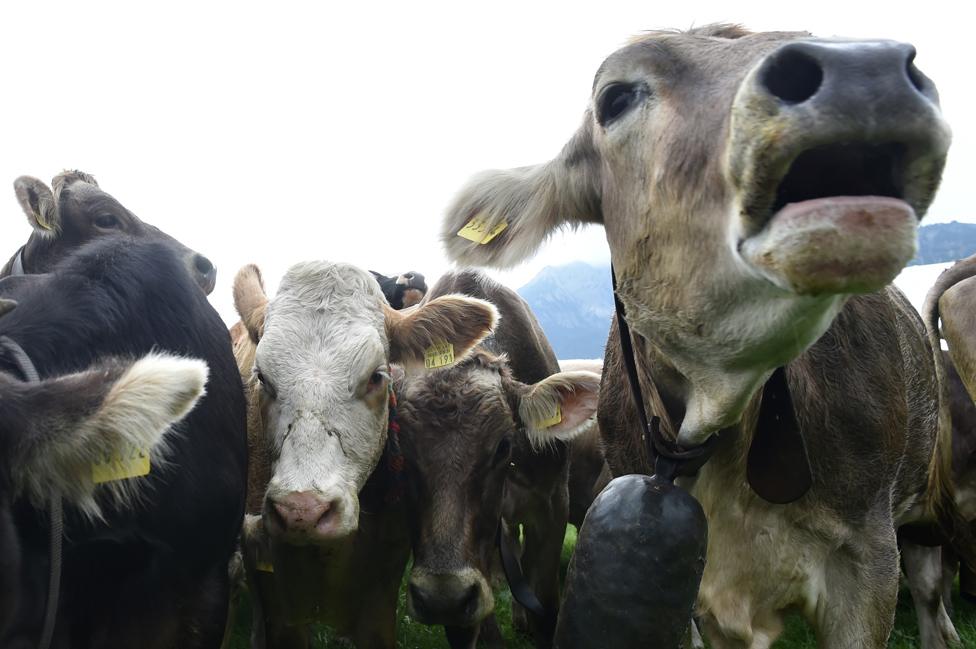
x,y
385,487
777,464
56,515
670,458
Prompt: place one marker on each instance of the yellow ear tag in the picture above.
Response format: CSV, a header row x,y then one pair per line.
x,y
477,230
264,566
131,463
552,421
438,355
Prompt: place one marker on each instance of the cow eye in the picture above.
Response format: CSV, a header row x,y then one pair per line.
x,y
616,99
503,451
106,221
266,385
376,380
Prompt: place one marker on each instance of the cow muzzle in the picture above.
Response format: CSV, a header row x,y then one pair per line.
x,y
309,517
453,598
836,150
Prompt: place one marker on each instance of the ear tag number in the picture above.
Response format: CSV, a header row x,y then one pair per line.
x,y
438,355
477,230
131,463
552,421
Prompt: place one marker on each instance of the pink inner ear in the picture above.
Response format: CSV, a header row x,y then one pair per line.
x,y
577,406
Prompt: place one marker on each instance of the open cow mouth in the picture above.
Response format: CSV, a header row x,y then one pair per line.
x,y
846,169
839,220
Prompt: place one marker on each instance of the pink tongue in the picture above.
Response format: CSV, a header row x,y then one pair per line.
x,y
844,244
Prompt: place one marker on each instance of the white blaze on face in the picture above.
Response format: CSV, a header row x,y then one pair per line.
x,y
323,363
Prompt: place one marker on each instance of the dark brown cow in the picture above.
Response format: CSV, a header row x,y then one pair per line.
x,y
749,185
77,211
483,440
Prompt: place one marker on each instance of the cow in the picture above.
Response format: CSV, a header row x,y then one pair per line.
x,y
326,538
589,472
403,290
485,439
951,301
76,211
759,191
151,573
51,432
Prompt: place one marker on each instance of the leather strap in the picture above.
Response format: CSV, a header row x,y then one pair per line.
x,y
670,459
55,510
519,586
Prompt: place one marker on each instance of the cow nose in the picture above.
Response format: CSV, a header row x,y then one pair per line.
x,y
829,71
302,515
203,271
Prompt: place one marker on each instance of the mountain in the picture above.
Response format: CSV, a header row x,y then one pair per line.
x,y
574,302
941,242
574,305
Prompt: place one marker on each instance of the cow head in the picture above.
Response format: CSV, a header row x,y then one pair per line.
x,y
462,428
75,211
747,184
325,344
403,290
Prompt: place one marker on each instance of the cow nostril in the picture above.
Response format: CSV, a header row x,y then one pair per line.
x,y
279,516
419,601
202,264
914,74
792,76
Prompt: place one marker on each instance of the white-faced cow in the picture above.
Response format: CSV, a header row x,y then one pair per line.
x,y
749,185
53,431
404,290
150,571
76,211
326,469
484,439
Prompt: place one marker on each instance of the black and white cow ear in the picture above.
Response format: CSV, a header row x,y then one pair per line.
x,y
38,203
250,300
502,216
559,406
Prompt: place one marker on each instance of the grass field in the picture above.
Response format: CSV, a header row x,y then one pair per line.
x,y
798,635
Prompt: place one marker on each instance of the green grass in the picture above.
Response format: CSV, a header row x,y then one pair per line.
x,y
797,635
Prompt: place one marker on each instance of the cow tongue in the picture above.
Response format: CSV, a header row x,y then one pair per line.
x,y
842,244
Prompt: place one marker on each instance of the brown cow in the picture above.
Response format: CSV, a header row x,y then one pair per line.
x,y
77,210
326,540
749,185
484,439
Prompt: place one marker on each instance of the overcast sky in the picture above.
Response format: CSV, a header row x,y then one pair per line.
x,y
278,132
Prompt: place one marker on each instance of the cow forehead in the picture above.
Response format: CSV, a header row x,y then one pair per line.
x,y
681,54
464,402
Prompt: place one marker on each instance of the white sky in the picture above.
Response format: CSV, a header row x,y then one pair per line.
x,y
277,132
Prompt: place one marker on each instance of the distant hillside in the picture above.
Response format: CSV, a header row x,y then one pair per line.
x,y
941,242
574,303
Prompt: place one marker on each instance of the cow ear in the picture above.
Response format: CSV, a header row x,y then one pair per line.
x,y
250,300
559,406
79,419
39,205
501,217
457,321
957,308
